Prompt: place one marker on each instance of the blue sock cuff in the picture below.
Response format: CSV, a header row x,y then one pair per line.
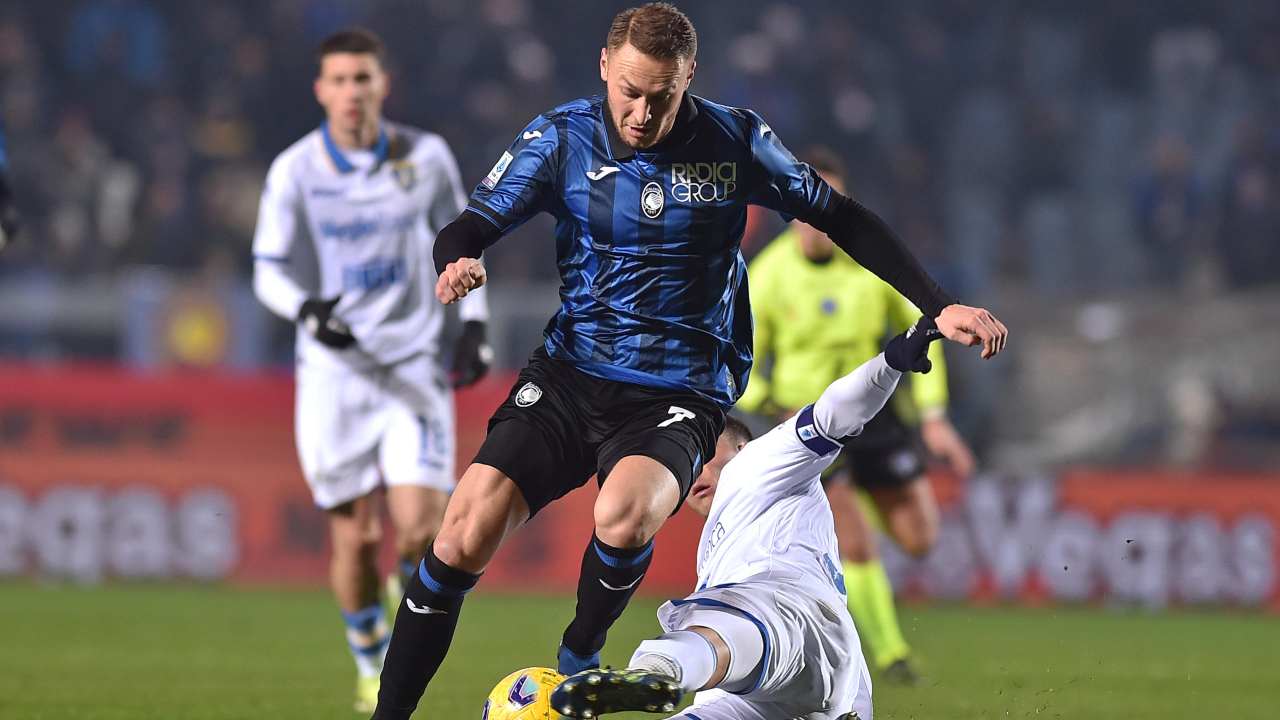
x,y
441,588
620,558
363,619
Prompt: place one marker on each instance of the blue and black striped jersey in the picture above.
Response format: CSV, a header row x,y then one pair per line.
x,y
654,288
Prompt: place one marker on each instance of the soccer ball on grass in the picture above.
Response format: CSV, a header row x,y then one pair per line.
x,y
523,695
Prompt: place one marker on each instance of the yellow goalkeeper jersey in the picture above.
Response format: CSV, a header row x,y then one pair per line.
x,y
815,322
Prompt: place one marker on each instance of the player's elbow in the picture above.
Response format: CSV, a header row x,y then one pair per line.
x,y
261,286
275,290
266,286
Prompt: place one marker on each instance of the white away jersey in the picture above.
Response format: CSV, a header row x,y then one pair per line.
x,y
361,225
770,515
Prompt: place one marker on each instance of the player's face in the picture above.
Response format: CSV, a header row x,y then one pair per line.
x,y
644,93
704,486
814,243
351,87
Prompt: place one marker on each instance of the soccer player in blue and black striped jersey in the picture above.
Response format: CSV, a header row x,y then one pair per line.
x,y
652,344
8,213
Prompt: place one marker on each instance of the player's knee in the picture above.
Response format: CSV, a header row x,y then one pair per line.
x,y
358,544
482,509
458,543
625,522
468,538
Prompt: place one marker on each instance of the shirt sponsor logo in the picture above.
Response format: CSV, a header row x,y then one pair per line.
x,y
374,274
359,228
499,168
652,200
326,192
703,182
350,231
717,534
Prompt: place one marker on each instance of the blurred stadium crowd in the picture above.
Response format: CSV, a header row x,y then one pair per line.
x,y
1107,174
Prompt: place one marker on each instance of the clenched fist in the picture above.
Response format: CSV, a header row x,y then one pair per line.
x,y
459,278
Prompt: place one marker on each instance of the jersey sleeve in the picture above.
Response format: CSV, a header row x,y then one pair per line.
x,y
775,465
794,454
848,404
928,390
784,184
523,181
280,222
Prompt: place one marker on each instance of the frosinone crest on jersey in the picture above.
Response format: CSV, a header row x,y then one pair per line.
x,y
528,395
652,200
405,174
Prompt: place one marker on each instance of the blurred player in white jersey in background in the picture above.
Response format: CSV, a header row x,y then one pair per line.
x,y
343,248
766,636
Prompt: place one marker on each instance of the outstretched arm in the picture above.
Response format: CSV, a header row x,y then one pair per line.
x,y
848,404
865,237
795,189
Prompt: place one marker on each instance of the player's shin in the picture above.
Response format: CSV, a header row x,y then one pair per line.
x,y
423,631
684,656
609,578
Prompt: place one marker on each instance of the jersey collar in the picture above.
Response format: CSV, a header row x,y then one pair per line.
x,y
341,162
680,132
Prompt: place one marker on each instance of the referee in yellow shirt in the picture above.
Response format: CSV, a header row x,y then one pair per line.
x,y
818,315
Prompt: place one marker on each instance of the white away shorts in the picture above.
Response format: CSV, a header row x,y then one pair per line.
x,y
812,667
357,428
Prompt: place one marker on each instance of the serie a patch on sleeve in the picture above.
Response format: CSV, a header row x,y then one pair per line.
x,y
499,168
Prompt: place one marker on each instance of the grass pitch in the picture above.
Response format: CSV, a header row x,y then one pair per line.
x,y
165,651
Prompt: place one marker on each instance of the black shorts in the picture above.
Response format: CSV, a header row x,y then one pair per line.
x,y
559,426
885,455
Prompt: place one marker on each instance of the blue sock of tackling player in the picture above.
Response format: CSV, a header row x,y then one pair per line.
x,y
609,578
423,631
367,636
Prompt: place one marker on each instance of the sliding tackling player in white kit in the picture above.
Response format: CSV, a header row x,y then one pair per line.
x,y
767,635
343,247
